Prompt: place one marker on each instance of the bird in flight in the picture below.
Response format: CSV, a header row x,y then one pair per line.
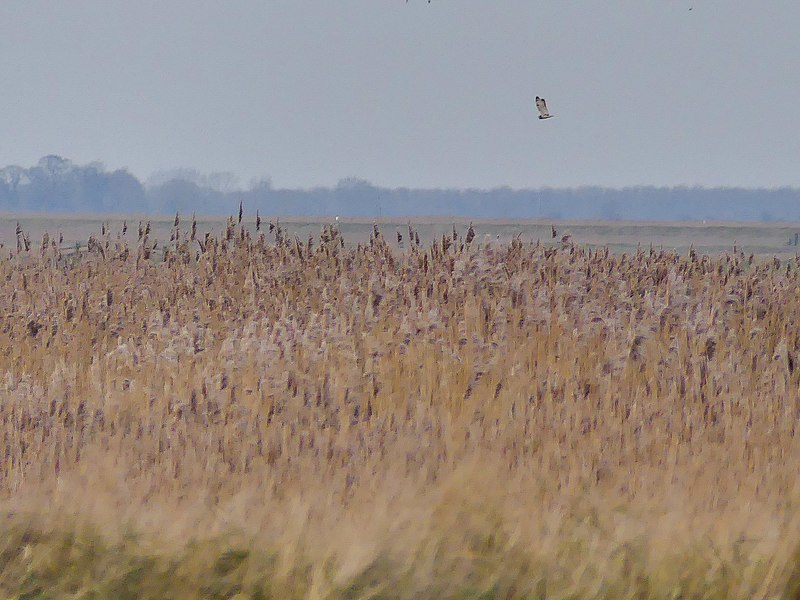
x,y
542,106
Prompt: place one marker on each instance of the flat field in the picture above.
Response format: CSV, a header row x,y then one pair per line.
x,y
247,415
619,236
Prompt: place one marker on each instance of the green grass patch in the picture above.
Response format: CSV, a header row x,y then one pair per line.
x,y
51,565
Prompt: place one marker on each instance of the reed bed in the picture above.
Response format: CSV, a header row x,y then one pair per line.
x,y
248,415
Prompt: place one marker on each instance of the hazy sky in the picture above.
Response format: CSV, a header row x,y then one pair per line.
x,y
409,94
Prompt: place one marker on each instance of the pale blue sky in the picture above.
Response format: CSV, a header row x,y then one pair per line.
x,y
409,94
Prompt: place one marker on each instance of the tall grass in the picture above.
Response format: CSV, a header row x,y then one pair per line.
x,y
260,415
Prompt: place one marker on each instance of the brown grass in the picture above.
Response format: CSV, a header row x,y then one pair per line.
x,y
516,420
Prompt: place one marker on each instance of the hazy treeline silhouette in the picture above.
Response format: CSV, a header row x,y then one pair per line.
x,y
56,184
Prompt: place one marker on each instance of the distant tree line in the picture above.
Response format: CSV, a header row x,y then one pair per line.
x,y
55,184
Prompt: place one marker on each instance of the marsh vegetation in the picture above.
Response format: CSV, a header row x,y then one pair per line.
x,y
246,413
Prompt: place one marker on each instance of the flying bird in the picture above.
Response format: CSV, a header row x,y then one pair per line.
x,y
542,106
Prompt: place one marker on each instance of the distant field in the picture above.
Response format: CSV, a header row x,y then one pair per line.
x,y
710,238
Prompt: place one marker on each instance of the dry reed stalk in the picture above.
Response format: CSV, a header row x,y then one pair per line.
x,y
592,415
